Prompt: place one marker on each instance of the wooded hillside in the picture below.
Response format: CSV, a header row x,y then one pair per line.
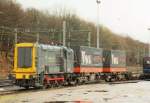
x,y
49,26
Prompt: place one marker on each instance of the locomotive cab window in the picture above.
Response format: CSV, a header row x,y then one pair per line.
x,y
24,57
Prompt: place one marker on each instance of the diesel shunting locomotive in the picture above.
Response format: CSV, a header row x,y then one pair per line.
x,y
39,65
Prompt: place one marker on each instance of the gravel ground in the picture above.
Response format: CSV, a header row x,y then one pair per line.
x,y
94,93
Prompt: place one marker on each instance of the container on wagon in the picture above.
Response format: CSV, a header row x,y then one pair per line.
x,y
88,59
114,61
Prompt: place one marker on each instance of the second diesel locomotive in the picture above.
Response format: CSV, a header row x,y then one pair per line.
x,y
146,68
45,65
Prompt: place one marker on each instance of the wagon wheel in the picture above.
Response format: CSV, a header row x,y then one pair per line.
x,y
108,79
45,84
26,87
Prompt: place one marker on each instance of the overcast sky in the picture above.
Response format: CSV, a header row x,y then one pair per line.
x,y
125,17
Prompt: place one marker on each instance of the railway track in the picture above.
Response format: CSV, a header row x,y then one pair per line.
x,y
8,91
124,82
5,82
17,91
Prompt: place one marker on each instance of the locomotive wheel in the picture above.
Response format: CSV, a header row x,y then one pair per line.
x,y
108,79
26,87
78,82
61,83
45,85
